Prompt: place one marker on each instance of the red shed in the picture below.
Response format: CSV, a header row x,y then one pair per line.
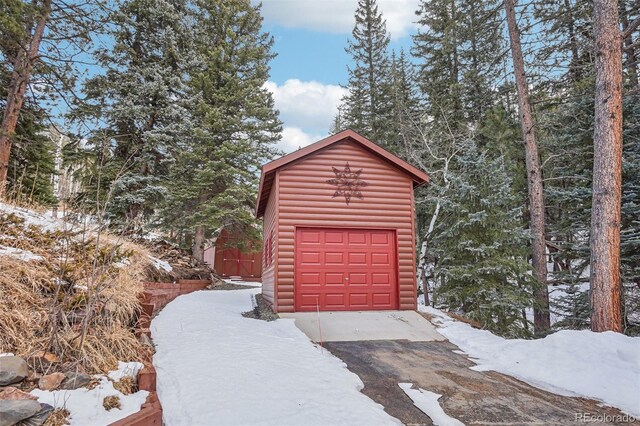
x,y
338,227
229,261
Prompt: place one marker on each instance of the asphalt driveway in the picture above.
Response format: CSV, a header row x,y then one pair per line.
x,y
475,398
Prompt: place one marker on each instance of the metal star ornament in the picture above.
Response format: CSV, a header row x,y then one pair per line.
x,y
348,183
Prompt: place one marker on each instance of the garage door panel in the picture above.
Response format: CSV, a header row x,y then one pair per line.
x,y
334,258
309,237
334,278
334,237
356,238
380,259
380,239
357,258
310,278
380,278
358,300
308,301
310,258
381,299
335,300
358,279
348,269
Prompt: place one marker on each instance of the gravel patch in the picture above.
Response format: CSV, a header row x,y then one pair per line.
x,y
262,310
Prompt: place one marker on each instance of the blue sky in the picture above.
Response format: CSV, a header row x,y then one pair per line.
x,y
310,37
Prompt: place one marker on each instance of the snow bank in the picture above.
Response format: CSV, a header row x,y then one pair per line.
x,y
24,255
602,366
125,369
216,366
85,405
33,218
48,223
427,402
242,282
161,264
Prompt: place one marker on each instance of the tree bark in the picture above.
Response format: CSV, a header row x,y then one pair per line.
x,y
541,319
23,64
198,244
606,291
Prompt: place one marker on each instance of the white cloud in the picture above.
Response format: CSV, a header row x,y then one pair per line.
x,y
307,105
294,138
337,16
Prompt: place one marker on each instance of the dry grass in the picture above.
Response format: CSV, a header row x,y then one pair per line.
x,y
110,402
79,302
58,417
126,385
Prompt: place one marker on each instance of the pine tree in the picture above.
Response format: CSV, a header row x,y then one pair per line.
x,y
31,164
630,223
138,104
404,102
458,46
40,41
482,267
213,182
436,47
604,239
368,104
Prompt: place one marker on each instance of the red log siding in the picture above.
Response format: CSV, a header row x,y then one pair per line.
x,y
305,199
269,222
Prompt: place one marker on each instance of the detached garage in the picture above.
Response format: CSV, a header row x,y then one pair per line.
x,y
338,228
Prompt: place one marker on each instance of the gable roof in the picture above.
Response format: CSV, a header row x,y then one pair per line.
x,y
269,169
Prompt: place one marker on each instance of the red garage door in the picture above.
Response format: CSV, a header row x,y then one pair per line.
x,y
345,270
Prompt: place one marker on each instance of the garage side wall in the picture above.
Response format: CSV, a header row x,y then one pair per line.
x,y
268,229
306,199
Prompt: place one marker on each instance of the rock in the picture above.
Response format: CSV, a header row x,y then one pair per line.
x,y
42,361
10,393
11,412
12,370
51,381
74,380
40,417
46,356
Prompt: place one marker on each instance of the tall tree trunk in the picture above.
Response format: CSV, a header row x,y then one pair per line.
x,y
22,68
606,291
198,244
541,319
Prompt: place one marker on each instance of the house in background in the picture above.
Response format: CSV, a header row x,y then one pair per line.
x,y
227,260
338,227
65,185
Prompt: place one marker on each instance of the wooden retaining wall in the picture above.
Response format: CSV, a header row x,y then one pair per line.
x,y
155,297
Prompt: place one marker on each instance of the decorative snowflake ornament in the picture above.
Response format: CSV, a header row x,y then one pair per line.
x,y
348,183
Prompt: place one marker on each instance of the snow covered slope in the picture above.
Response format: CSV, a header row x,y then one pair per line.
x,y
602,366
216,367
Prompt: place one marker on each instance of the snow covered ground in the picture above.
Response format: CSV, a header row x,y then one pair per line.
x,y
239,281
428,403
601,366
216,367
556,294
44,221
24,255
48,223
85,405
